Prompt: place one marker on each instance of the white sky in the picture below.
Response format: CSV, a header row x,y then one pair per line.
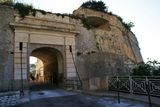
x,y
143,13
32,60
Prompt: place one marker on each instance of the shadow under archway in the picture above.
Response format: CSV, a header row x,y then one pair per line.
x,y
52,75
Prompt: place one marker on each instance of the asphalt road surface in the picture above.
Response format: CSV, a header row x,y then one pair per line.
x,y
64,101
62,98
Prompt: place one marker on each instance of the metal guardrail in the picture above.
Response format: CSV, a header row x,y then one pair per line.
x,y
136,84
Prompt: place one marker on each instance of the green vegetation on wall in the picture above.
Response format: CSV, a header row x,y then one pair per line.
x,y
23,9
125,24
85,21
7,2
101,6
96,5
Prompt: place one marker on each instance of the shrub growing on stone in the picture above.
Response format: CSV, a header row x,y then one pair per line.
x,y
95,5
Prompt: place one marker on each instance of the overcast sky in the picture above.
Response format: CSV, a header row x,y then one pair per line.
x,y
145,14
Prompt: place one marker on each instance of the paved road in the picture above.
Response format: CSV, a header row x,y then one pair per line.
x,y
64,101
62,98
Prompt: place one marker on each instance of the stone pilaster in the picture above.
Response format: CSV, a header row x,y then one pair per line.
x,y
20,37
70,58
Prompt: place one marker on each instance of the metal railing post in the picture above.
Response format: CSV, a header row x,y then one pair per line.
x,y
118,96
149,86
148,92
130,84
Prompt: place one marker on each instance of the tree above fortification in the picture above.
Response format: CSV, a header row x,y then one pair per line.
x,y
96,5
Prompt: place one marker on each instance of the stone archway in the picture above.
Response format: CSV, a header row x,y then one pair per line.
x,y
52,74
43,31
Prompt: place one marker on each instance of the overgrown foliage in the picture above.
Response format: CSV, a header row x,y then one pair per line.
x,y
101,6
23,9
7,2
96,5
126,25
85,21
150,68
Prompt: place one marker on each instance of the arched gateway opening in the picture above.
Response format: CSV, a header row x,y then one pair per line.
x,y
47,72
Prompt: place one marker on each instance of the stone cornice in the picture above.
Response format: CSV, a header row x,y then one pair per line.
x,y
41,27
30,22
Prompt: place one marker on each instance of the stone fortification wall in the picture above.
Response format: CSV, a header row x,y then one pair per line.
x,y
107,49
6,48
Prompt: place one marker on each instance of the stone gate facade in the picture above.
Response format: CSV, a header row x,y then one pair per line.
x,y
108,49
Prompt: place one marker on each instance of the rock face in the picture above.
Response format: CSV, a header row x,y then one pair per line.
x,y
107,49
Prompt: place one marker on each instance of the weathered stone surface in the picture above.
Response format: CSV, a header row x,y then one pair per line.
x,y
108,49
6,48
